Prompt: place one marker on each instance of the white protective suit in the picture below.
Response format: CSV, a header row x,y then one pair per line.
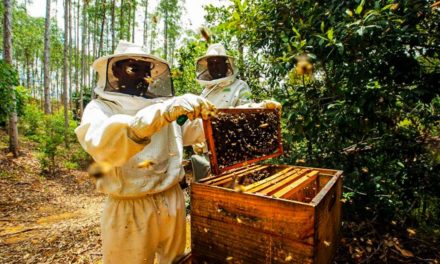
x,y
224,92
144,213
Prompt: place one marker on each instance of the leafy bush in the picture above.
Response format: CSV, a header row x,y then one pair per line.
x,y
48,131
8,79
371,105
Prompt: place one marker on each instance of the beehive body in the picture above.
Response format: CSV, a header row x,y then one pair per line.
x,y
251,213
230,226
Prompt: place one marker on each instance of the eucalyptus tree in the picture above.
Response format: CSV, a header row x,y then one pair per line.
x,y
171,12
46,62
7,56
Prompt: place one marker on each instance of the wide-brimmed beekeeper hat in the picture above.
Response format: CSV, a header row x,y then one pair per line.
x,y
128,49
214,50
129,58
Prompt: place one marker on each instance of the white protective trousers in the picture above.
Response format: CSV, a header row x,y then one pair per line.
x,y
134,230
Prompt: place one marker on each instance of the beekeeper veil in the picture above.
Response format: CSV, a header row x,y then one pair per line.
x,y
216,68
130,76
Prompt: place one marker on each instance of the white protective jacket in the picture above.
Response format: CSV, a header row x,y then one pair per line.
x,y
124,138
224,92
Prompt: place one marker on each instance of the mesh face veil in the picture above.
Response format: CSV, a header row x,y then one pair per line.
x,y
214,67
139,76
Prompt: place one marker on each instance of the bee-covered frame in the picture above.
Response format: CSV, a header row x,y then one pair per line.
x,y
211,141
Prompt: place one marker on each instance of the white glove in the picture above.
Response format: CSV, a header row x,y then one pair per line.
x,y
192,106
268,104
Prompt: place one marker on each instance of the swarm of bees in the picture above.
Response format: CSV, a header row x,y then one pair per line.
x,y
244,136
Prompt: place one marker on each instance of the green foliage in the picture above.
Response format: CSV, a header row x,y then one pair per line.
x,y
76,99
8,80
31,123
371,105
184,75
51,141
48,132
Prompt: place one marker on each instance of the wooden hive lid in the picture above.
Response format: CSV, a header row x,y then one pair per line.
x,y
239,136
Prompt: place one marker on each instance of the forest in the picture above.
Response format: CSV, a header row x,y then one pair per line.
x,y
359,84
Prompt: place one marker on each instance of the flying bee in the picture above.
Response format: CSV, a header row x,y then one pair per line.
x,y
146,164
148,80
98,170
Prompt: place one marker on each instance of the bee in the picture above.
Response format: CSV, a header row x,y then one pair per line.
x,y
149,80
146,164
98,170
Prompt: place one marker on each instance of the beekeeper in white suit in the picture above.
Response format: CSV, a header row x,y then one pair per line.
x,y
131,123
217,73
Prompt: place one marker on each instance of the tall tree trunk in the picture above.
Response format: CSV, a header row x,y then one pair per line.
x,y
66,72
46,63
152,35
77,61
70,55
133,23
165,31
28,69
146,24
113,26
7,56
101,38
83,56
121,21
95,31
129,21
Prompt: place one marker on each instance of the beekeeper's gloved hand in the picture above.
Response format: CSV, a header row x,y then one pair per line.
x,y
151,119
268,104
192,106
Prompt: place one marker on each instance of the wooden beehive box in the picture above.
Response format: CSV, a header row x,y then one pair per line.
x,y
259,213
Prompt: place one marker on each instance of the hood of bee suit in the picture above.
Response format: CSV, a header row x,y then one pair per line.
x,y
129,103
203,76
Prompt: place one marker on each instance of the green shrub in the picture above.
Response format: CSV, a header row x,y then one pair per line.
x,y
371,106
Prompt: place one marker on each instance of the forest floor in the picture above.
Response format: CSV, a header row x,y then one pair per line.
x,y
56,220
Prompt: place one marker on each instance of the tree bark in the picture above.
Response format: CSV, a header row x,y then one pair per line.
x,y
129,21
7,56
47,109
66,72
77,61
133,23
70,55
101,38
146,24
121,21
83,56
113,26
165,40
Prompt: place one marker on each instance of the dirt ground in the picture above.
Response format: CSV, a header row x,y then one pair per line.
x,y
47,219
56,220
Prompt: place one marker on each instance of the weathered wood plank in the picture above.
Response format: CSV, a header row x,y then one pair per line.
x,y
281,184
286,218
328,221
255,187
219,242
302,182
240,175
214,179
241,169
